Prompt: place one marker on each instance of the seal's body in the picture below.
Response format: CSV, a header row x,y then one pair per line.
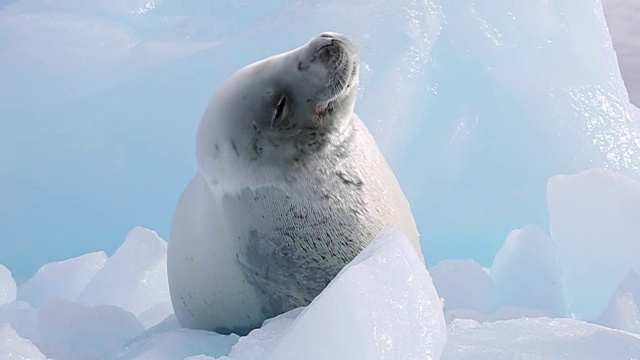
x,y
291,187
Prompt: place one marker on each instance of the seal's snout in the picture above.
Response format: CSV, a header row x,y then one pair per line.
x,y
332,43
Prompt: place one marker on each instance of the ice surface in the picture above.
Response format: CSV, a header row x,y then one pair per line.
x,y
526,272
14,347
167,341
135,277
464,285
623,311
8,288
61,279
382,305
156,314
260,341
22,317
538,338
594,223
71,331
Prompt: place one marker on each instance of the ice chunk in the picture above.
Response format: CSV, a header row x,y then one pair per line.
x,y
168,341
526,272
135,277
538,338
69,330
504,313
155,314
12,346
623,311
22,317
62,279
7,286
382,305
463,284
264,339
594,222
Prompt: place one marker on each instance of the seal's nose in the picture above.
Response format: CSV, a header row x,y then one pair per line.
x,y
340,38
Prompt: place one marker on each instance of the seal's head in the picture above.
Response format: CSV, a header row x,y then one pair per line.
x,y
283,109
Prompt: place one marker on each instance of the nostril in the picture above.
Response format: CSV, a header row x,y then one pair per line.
x,y
328,34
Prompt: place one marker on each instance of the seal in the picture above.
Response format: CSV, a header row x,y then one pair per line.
x,y
290,187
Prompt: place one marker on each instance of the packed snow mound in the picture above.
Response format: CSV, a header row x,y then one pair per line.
x,y
594,222
62,279
8,289
526,272
538,338
135,277
623,311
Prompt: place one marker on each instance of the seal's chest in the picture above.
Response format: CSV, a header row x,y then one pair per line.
x,y
292,247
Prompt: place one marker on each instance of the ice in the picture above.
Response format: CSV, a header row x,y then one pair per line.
x,y
135,277
464,285
538,338
382,305
623,311
22,317
476,104
167,341
526,272
260,341
7,286
594,223
156,314
14,347
70,331
61,279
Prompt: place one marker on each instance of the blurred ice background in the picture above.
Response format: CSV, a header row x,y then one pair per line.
x,y
509,126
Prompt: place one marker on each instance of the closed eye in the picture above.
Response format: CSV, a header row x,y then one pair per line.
x,y
279,114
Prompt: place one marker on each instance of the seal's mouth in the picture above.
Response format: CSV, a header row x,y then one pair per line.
x,y
340,86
